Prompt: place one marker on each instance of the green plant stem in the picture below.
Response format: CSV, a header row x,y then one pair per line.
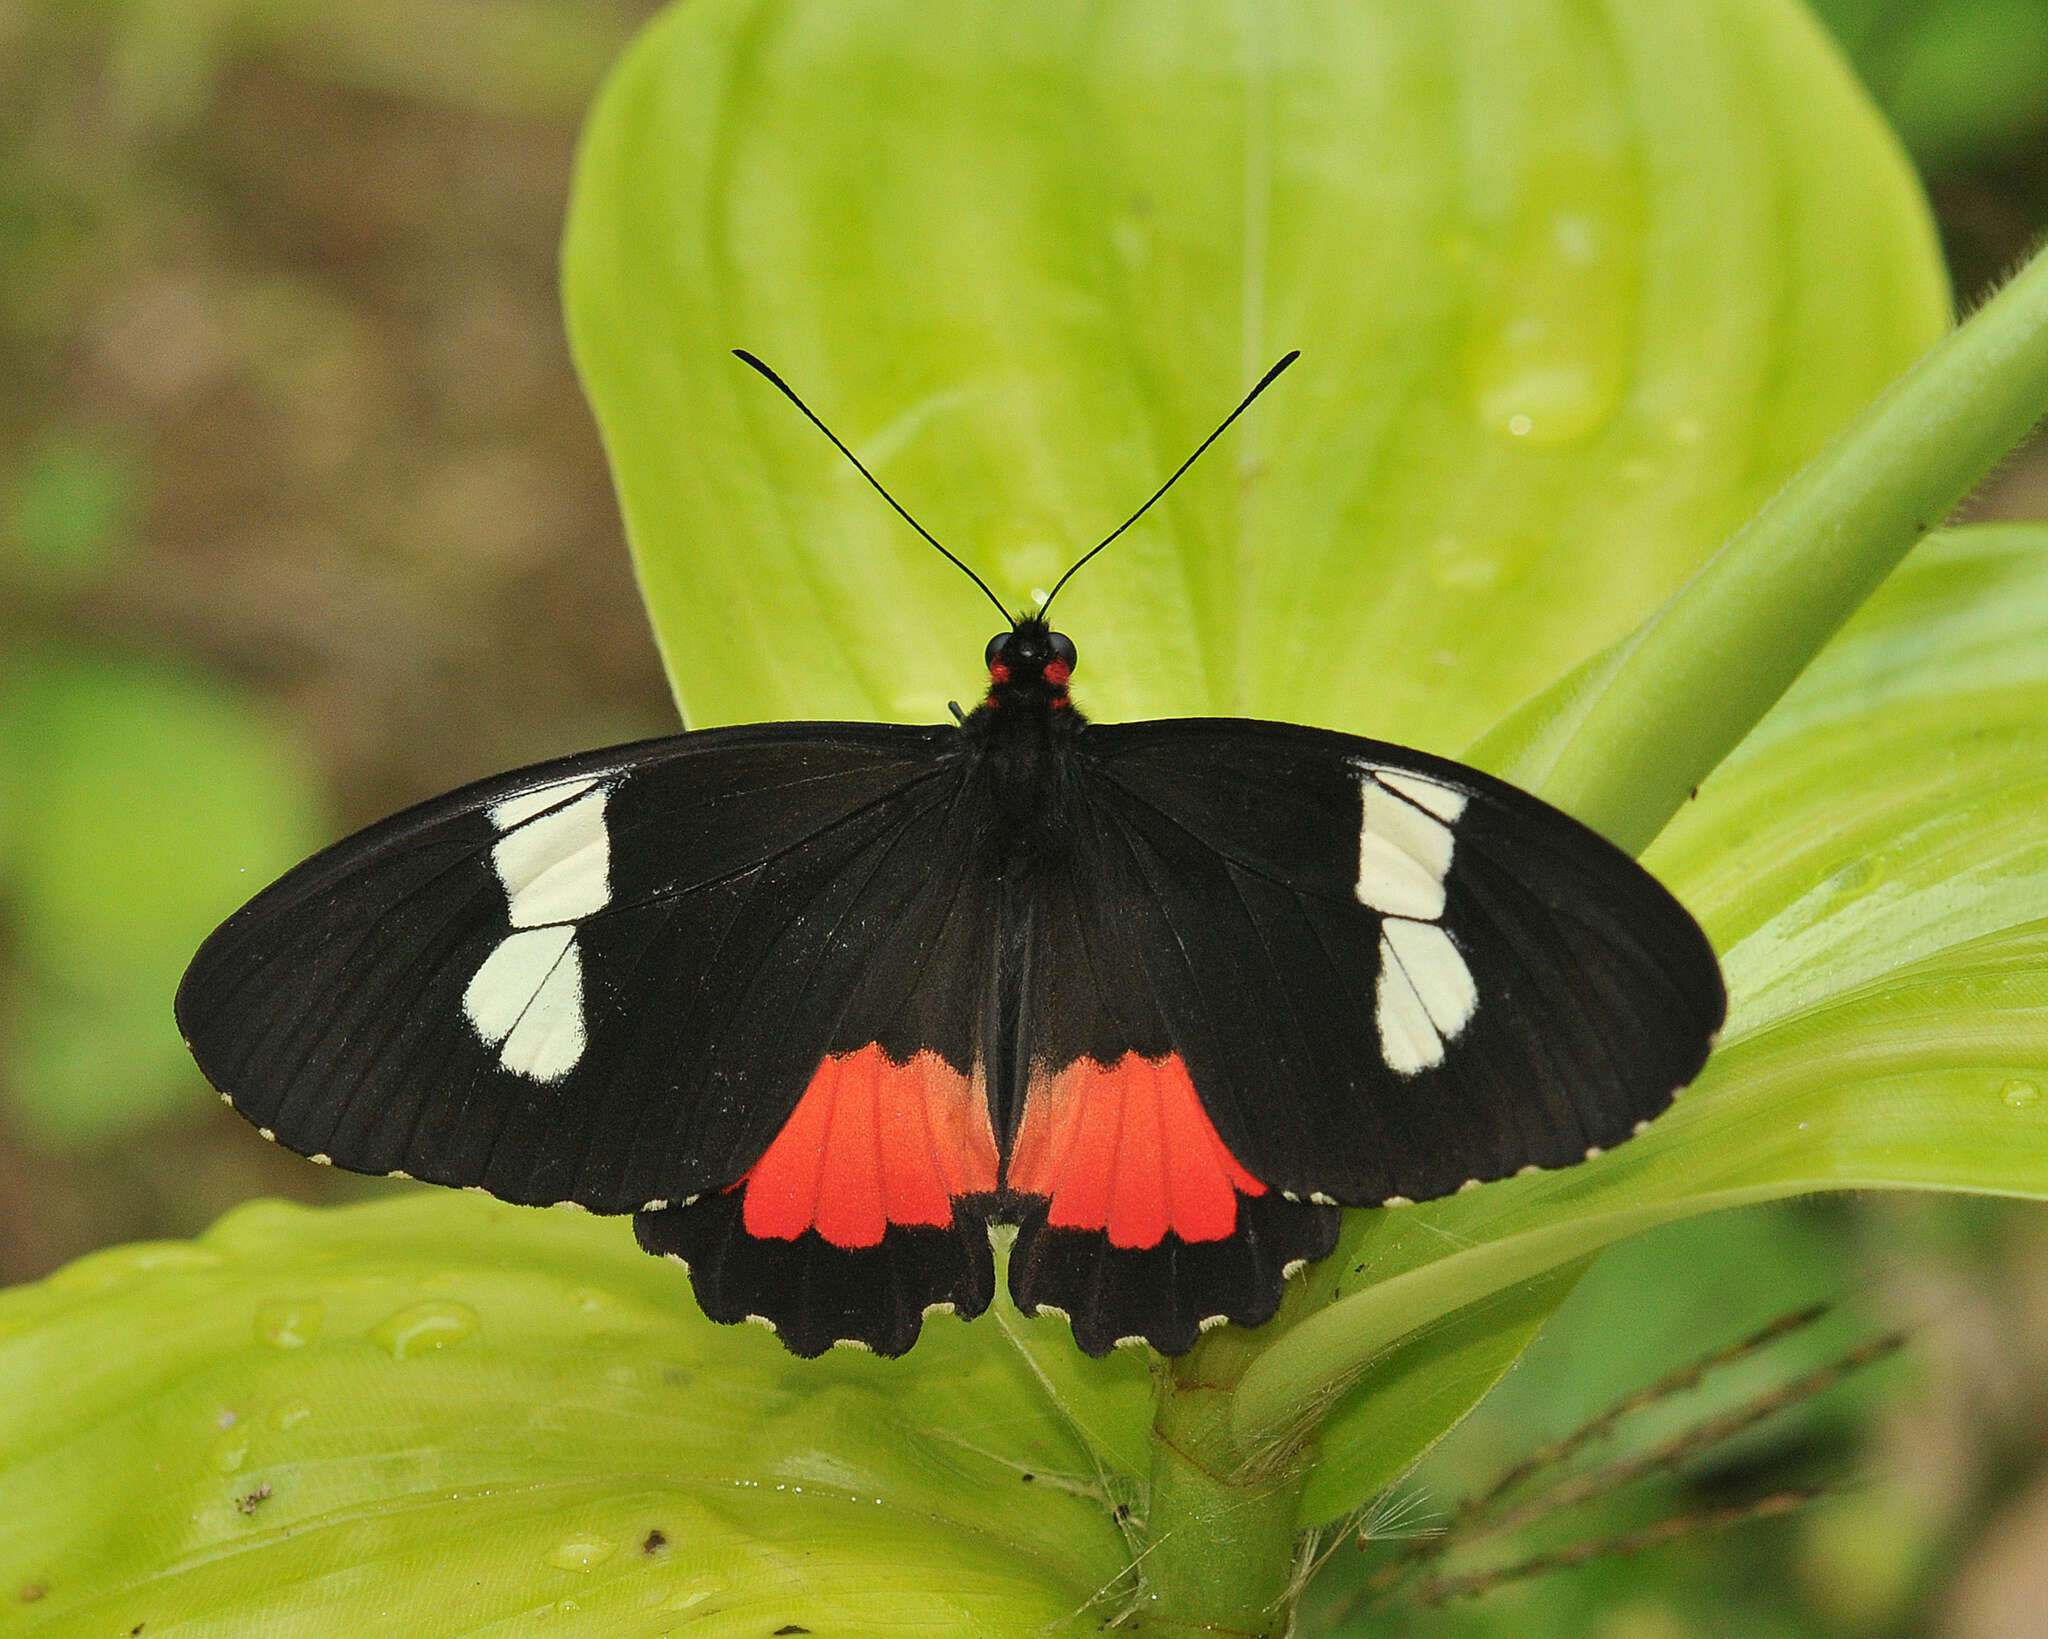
x,y
1626,737
1219,1535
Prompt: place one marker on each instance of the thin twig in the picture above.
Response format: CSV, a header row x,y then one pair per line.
x,y
1673,1382
1437,1589
1667,1454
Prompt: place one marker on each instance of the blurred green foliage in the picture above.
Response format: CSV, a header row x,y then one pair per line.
x,y
71,513
1963,80
142,803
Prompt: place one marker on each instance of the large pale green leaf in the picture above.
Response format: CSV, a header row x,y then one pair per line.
x,y
443,1415
1575,290
1874,869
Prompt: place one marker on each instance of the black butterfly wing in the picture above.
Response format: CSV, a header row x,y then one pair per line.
x,y
634,980
1378,975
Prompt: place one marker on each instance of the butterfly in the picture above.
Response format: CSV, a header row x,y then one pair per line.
x,y
820,1004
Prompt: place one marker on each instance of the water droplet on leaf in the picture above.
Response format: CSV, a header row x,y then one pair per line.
x,y
424,1327
288,1325
581,1553
694,1592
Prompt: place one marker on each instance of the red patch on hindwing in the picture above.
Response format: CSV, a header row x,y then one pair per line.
x,y
872,1143
1128,1150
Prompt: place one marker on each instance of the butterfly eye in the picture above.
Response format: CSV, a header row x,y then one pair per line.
x,y
996,646
1063,649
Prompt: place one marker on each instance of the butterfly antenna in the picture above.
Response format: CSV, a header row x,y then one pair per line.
x,y
789,393
1244,404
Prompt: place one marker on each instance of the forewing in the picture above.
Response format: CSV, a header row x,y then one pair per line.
x,y
1393,974
605,980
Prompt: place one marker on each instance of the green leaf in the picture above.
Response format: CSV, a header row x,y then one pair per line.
x,y
1621,741
1575,292
1873,868
142,804
442,1415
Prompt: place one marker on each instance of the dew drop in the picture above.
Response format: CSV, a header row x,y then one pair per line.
x,y
228,1453
100,1270
582,1553
2018,1094
287,1325
694,1592
1458,566
423,1328
1546,402
289,1413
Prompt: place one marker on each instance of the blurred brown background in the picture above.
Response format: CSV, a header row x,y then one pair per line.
x,y
302,518
288,426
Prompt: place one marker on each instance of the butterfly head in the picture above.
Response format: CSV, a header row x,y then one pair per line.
x,y
1031,659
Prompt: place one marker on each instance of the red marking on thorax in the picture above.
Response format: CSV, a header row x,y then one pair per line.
x,y
873,1143
1057,673
1130,1150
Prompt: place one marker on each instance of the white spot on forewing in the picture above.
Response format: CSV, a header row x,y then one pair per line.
x,y
1403,855
1407,1042
505,986
1436,970
1441,800
527,1000
548,1039
555,864
558,867
1426,995
512,810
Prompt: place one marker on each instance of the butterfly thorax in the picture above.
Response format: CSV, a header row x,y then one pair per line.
x,y
1021,737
